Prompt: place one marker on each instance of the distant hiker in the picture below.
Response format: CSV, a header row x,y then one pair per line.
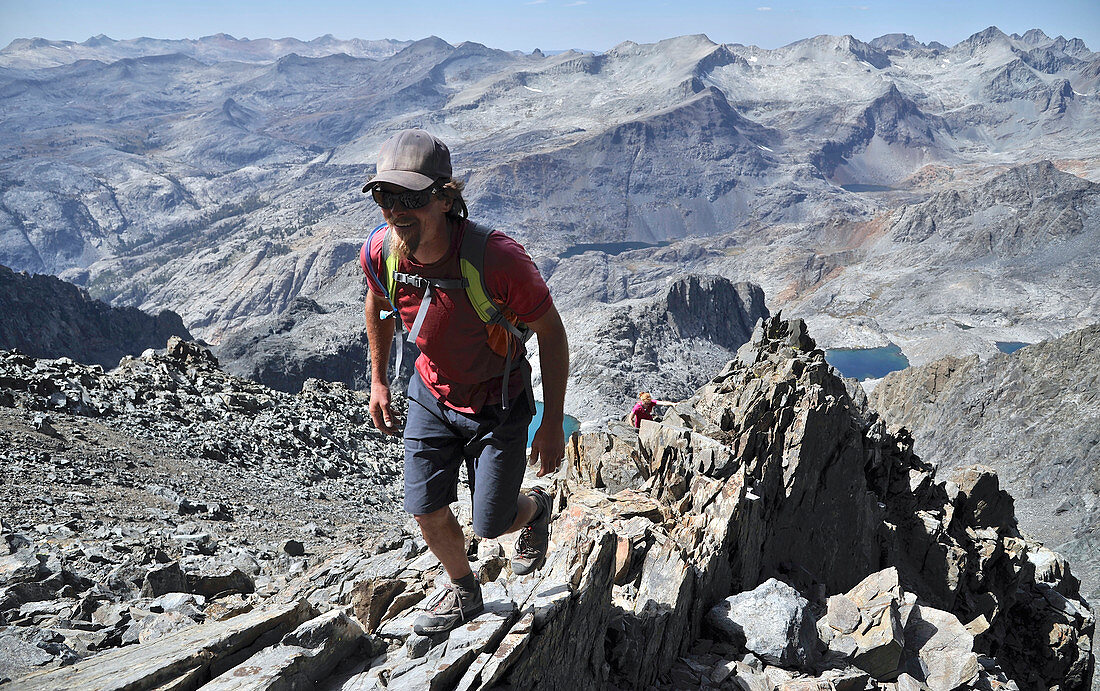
x,y
643,409
468,298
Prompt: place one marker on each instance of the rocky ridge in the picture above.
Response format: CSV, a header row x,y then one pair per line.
x,y
183,396
678,552
37,53
1034,416
46,317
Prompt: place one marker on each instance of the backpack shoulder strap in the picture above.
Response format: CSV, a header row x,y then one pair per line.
x,y
471,256
389,264
386,280
472,261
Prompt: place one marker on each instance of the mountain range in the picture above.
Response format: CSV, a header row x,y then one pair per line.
x,y
940,198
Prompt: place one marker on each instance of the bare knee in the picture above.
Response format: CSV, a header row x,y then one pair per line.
x,y
435,521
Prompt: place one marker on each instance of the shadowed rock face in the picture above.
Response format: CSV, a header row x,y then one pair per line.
x,y
46,317
1034,415
770,471
669,345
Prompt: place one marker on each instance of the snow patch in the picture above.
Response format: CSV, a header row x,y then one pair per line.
x,y
752,58
531,88
764,148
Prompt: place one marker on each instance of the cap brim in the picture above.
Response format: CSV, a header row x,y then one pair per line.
x,y
402,178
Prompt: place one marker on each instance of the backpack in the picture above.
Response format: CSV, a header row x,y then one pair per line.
x,y
501,325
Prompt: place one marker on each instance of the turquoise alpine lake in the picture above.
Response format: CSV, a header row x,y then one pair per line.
x,y
569,425
1010,346
609,247
867,363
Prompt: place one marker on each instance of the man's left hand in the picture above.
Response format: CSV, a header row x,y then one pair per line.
x,y
547,448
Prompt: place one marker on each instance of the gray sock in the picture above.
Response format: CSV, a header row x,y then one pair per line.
x,y
538,510
467,585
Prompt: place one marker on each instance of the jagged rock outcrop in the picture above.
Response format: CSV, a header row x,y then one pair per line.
x,y
669,345
770,471
46,317
1034,416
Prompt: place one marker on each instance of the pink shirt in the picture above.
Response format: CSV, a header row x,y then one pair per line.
x,y
642,411
456,363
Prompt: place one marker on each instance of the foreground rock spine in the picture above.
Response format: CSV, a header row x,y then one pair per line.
x,y
771,471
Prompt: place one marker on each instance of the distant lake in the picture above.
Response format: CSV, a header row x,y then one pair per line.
x,y
609,247
860,187
867,363
1010,346
570,425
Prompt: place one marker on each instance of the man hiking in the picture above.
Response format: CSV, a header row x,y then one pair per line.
x,y
466,297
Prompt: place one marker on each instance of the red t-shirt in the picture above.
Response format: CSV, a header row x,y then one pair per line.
x,y
456,362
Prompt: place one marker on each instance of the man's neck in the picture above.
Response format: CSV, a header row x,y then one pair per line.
x,y
434,244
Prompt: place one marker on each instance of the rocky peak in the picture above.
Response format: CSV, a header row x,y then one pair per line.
x,y
669,344
769,532
976,42
898,42
709,307
834,48
1033,37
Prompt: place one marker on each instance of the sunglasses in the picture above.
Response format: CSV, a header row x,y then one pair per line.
x,y
408,198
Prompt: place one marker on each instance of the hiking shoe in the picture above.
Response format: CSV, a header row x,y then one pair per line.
x,y
535,536
449,609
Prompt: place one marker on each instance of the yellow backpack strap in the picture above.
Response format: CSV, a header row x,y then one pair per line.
x,y
472,261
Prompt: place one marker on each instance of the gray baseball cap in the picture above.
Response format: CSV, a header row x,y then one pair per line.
x,y
412,159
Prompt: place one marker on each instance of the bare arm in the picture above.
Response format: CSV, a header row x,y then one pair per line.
x,y
380,336
548,445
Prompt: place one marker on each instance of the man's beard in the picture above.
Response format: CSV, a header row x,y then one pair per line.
x,y
405,247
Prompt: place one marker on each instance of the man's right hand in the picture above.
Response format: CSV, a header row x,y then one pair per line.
x,y
380,411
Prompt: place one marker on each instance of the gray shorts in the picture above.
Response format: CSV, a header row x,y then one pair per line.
x,y
492,443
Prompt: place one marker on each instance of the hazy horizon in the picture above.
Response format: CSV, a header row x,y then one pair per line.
x,y
550,25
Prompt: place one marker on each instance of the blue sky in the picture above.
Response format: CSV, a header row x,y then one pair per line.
x,y
546,24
